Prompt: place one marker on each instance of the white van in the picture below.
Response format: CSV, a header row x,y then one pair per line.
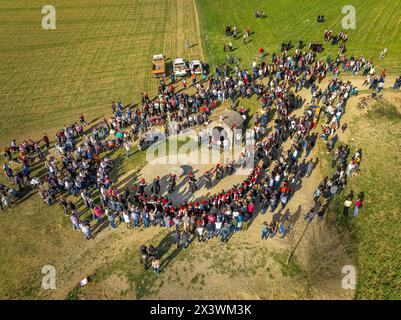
x,y
196,67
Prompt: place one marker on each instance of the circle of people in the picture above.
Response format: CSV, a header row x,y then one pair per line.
x,y
83,172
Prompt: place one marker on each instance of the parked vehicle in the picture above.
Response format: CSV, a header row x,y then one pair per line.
x,y
180,67
196,67
159,66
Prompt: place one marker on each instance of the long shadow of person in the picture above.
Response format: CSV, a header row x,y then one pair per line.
x,y
164,247
99,227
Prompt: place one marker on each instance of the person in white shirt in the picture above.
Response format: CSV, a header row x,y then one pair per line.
x,y
127,149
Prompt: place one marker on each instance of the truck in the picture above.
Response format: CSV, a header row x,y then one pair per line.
x,y
180,67
159,66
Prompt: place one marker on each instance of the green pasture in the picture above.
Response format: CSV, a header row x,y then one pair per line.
x,y
378,25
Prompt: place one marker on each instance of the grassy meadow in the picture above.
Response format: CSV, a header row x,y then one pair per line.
x,y
378,230
378,25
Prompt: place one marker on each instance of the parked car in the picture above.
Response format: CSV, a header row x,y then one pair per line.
x,y
196,67
159,66
180,67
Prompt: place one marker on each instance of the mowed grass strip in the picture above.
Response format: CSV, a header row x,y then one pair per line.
x,y
377,27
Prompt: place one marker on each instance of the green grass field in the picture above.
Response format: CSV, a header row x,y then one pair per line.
x,y
378,25
376,230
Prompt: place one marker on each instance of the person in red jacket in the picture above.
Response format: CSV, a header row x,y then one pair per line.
x,y
261,52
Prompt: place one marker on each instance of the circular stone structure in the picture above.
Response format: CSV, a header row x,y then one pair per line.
x,y
228,118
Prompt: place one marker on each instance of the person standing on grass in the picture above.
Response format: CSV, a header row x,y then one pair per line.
x,y
145,217
64,204
185,239
193,79
358,206
87,231
7,153
343,127
176,239
46,140
8,172
192,182
281,229
208,178
126,218
246,220
97,213
156,185
6,200
152,253
273,228
127,149
172,78
251,209
82,120
204,76
144,255
261,53
177,222
265,230
380,87
248,31
156,266
75,221
110,216
186,44
225,232
310,215
335,158
200,230
310,167
347,205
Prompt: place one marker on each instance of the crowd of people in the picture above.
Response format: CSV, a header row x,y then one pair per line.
x,y
83,171
329,187
230,211
340,39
